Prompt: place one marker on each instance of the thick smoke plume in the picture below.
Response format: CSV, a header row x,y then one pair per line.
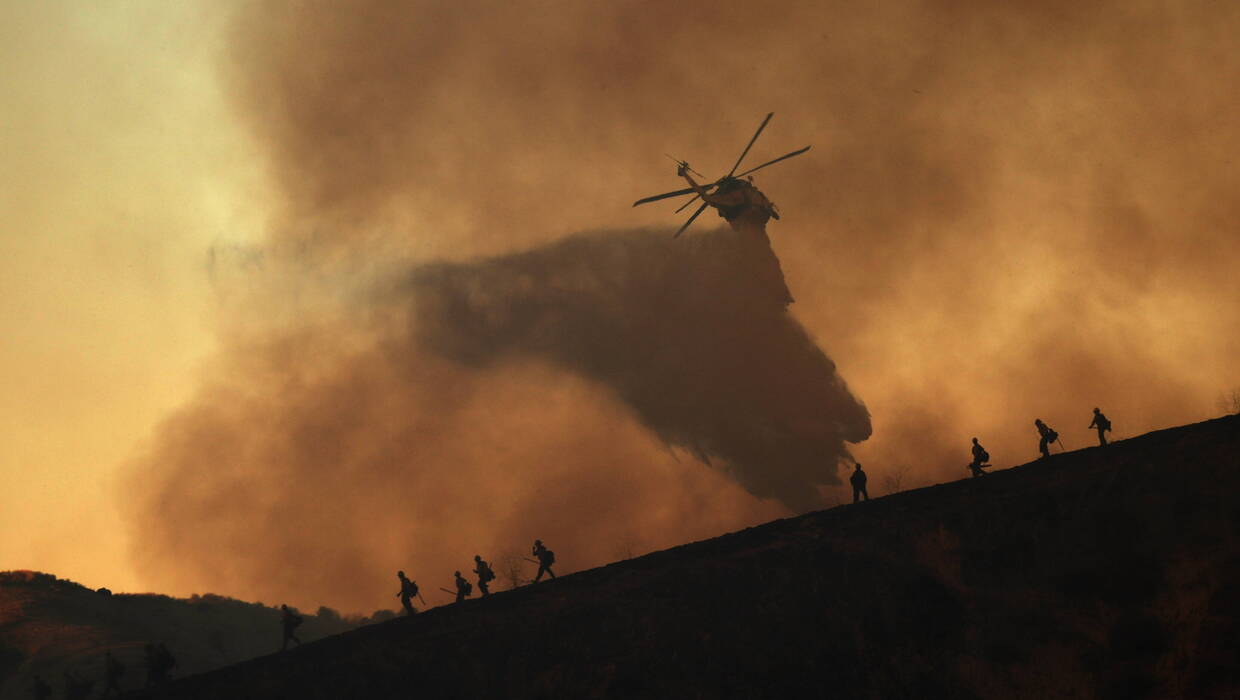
x,y
1012,210
691,335
423,420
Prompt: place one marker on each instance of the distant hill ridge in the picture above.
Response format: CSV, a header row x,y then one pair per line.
x,y
49,626
1100,573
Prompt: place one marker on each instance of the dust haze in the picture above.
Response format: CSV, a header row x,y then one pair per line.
x,y
1010,211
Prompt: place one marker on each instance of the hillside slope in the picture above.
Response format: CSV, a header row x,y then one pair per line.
x,y
1101,573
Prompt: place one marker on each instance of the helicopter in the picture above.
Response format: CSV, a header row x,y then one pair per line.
x,y
729,183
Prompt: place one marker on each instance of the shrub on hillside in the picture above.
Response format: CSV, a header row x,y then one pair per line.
x,y
23,577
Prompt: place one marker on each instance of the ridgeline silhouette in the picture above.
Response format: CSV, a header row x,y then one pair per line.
x,y
1101,573
50,627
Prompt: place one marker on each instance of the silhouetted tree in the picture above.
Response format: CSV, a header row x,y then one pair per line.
x,y
328,615
894,481
383,616
508,568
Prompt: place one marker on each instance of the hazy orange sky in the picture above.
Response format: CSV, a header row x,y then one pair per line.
x,y
1011,211
121,168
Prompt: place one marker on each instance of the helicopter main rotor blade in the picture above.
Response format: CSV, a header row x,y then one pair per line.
x,y
691,218
755,138
691,201
708,187
773,162
665,195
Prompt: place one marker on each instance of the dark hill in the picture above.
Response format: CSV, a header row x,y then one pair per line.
x,y
1101,573
50,626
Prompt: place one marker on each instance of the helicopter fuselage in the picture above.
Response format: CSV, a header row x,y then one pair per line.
x,y
740,203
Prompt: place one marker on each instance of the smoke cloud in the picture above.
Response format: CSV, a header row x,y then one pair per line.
x,y
424,419
1011,211
692,336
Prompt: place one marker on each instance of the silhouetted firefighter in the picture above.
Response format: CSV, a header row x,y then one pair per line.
x,y
463,588
408,589
167,661
159,661
290,621
112,672
148,658
1048,437
485,575
858,480
980,457
546,558
1103,424
39,689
